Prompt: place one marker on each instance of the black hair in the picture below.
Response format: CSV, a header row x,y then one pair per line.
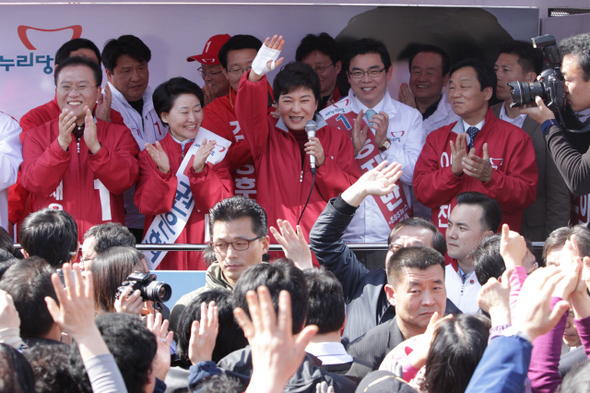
x,y
577,379
457,347
6,261
6,242
428,48
278,276
485,73
16,375
230,337
438,240
221,382
530,58
237,42
237,207
558,237
323,43
165,94
79,61
73,45
109,269
487,260
491,215
133,346
129,45
29,282
366,46
294,76
50,234
578,46
326,301
51,366
417,257
109,235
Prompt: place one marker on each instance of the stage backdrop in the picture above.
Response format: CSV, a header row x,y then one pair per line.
x,y
32,33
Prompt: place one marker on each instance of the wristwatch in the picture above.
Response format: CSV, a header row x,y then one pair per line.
x,y
385,145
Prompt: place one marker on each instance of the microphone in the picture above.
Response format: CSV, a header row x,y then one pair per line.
x,y
310,128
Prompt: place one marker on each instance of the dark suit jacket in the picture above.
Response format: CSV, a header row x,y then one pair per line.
x,y
551,209
378,342
570,359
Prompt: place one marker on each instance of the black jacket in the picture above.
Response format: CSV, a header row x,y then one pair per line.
x,y
303,381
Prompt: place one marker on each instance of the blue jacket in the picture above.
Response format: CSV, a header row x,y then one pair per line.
x,y
503,367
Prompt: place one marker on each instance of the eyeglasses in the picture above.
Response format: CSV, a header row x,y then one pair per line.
x,y
207,73
239,70
358,74
238,245
322,69
80,88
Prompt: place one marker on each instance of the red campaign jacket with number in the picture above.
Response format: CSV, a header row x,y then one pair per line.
x,y
155,193
34,118
46,164
277,158
514,177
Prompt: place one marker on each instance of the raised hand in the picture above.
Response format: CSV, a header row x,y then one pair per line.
x,y
494,298
458,152
90,135
512,247
103,106
479,168
209,93
203,152
378,181
67,122
359,135
406,96
204,334
293,243
266,58
277,353
380,124
159,328
158,156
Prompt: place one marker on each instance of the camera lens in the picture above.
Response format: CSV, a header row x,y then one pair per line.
x,y
158,291
523,93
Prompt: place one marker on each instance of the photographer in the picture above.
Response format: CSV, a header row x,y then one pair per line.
x,y
569,150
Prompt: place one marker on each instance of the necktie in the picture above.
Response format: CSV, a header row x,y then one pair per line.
x,y
472,132
369,114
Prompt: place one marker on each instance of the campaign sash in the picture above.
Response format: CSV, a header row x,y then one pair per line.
x,y
393,206
166,227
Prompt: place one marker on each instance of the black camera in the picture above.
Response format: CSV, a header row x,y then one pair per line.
x,y
550,86
156,291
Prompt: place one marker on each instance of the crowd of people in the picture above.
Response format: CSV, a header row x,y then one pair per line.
x,y
455,186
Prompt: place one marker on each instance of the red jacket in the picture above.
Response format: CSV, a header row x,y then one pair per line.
x,y
284,182
88,186
17,195
155,193
514,177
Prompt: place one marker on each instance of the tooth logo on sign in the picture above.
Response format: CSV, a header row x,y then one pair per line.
x,y
22,33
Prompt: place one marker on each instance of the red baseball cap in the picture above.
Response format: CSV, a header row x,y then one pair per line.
x,y
211,49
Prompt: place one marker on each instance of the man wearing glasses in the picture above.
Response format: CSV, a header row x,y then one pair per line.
x,y
216,84
381,128
238,229
322,53
78,163
235,58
